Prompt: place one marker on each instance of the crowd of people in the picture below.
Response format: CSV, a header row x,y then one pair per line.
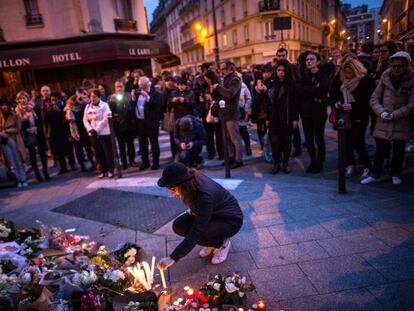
x,y
364,92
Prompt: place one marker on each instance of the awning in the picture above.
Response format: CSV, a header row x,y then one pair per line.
x,y
29,55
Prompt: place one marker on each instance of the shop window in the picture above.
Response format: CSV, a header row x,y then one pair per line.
x,y
33,16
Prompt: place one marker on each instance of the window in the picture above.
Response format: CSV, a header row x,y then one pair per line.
x,y
233,12
234,37
223,18
224,40
268,31
33,16
244,6
246,34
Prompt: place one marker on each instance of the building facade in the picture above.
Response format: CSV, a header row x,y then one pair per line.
x,y
245,30
334,27
363,25
60,43
397,19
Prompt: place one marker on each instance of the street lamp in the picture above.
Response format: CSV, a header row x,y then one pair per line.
x,y
385,20
198,26
216,49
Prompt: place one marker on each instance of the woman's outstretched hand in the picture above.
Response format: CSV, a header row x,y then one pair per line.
x,y
165,263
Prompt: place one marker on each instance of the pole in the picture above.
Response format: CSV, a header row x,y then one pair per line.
x,y
341,157
222,105
114,149
216,49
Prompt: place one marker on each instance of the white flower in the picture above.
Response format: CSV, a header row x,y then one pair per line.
x,y
217,286
230,288
114,276
25,278
229,279
76,278
243,280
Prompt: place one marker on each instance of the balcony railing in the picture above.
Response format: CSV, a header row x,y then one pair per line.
x,y
269,5
270,37
125,24
188,25
34,19
189,44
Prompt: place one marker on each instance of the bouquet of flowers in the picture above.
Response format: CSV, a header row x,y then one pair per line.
x,y
7,230
85,278
115,280
61,305
140,306
6,283
90,302
29,248
227,289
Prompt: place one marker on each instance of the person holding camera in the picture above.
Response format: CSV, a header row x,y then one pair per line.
x,y
190,136
182,100
393,103
351,97
122,107
95,120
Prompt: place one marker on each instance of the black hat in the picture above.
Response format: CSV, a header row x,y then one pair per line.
x,y
174,174
182,81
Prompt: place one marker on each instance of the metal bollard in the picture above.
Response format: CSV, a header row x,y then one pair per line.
x,y
114,148
222,105
344,124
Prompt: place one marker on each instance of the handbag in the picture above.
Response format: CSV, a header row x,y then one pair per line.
x,y
332,117
168,121
30,139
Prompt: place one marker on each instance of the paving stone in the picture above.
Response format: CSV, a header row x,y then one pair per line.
x,y
155,246
113,236
253,239
386,219
341,273
315,212
349,300
279,283
349,225
396,264
171,245
264,220
395,236
351,244
298,232
396,296
288,254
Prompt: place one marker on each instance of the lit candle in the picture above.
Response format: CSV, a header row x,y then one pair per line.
x,y
152,269
190,293
186,288
164,284
261,306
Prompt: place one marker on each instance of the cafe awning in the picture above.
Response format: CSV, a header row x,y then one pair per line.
x,y
89,48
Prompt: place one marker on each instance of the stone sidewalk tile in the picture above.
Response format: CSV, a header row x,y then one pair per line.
x,y
348,225
277,283
298,232
351,244
396,296
315,212
349,300
113,236
288,254
341,273
171,245
253,239
254,220
90,227
387,219
396,264
395,236
155,246
239,262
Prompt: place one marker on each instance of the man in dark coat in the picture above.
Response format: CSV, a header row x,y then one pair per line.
x,y
122,107
230,93
182,100
148,111
190,136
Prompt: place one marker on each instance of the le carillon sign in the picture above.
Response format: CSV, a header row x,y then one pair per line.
x,y
49,56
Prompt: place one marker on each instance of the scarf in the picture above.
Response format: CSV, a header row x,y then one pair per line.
x,y
349,85
73,127
26,113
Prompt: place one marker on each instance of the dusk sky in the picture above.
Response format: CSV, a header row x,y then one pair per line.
x,y
152,4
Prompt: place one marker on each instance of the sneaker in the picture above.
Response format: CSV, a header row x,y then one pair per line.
x,y
369,180
110,175
350,170
396,180
19,185
365,173
220,254
206,251
101,175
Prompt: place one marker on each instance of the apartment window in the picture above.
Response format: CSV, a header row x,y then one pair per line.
x,y
223,18
268,31
246,34
234,37
224,40
33,16
233,12
244,6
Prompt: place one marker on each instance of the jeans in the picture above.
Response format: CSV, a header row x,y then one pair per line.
x,y
398,152
41,149
314,130
126,145
14,159
216,232
233,132
104,153
355,140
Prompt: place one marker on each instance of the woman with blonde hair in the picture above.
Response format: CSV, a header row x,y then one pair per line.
x,y
351,99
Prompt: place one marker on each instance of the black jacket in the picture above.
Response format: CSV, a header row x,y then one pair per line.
x,y
185,108
314,91
123,113
197,135
230,93
213,202
152,111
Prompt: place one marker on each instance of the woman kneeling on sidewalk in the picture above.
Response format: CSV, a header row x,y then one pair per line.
x,y
214,215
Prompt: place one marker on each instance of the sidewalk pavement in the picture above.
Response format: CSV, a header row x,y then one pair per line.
x,y
303,245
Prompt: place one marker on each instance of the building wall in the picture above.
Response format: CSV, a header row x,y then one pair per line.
x,y
399,15
245,34
65,18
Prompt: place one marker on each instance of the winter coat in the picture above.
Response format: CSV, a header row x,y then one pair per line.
x,y
230,93
57,130
213,202
12,125
185,108
122,112
398,101
245,104
260,105
282,110
313,95
95,117
197,135
152,111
